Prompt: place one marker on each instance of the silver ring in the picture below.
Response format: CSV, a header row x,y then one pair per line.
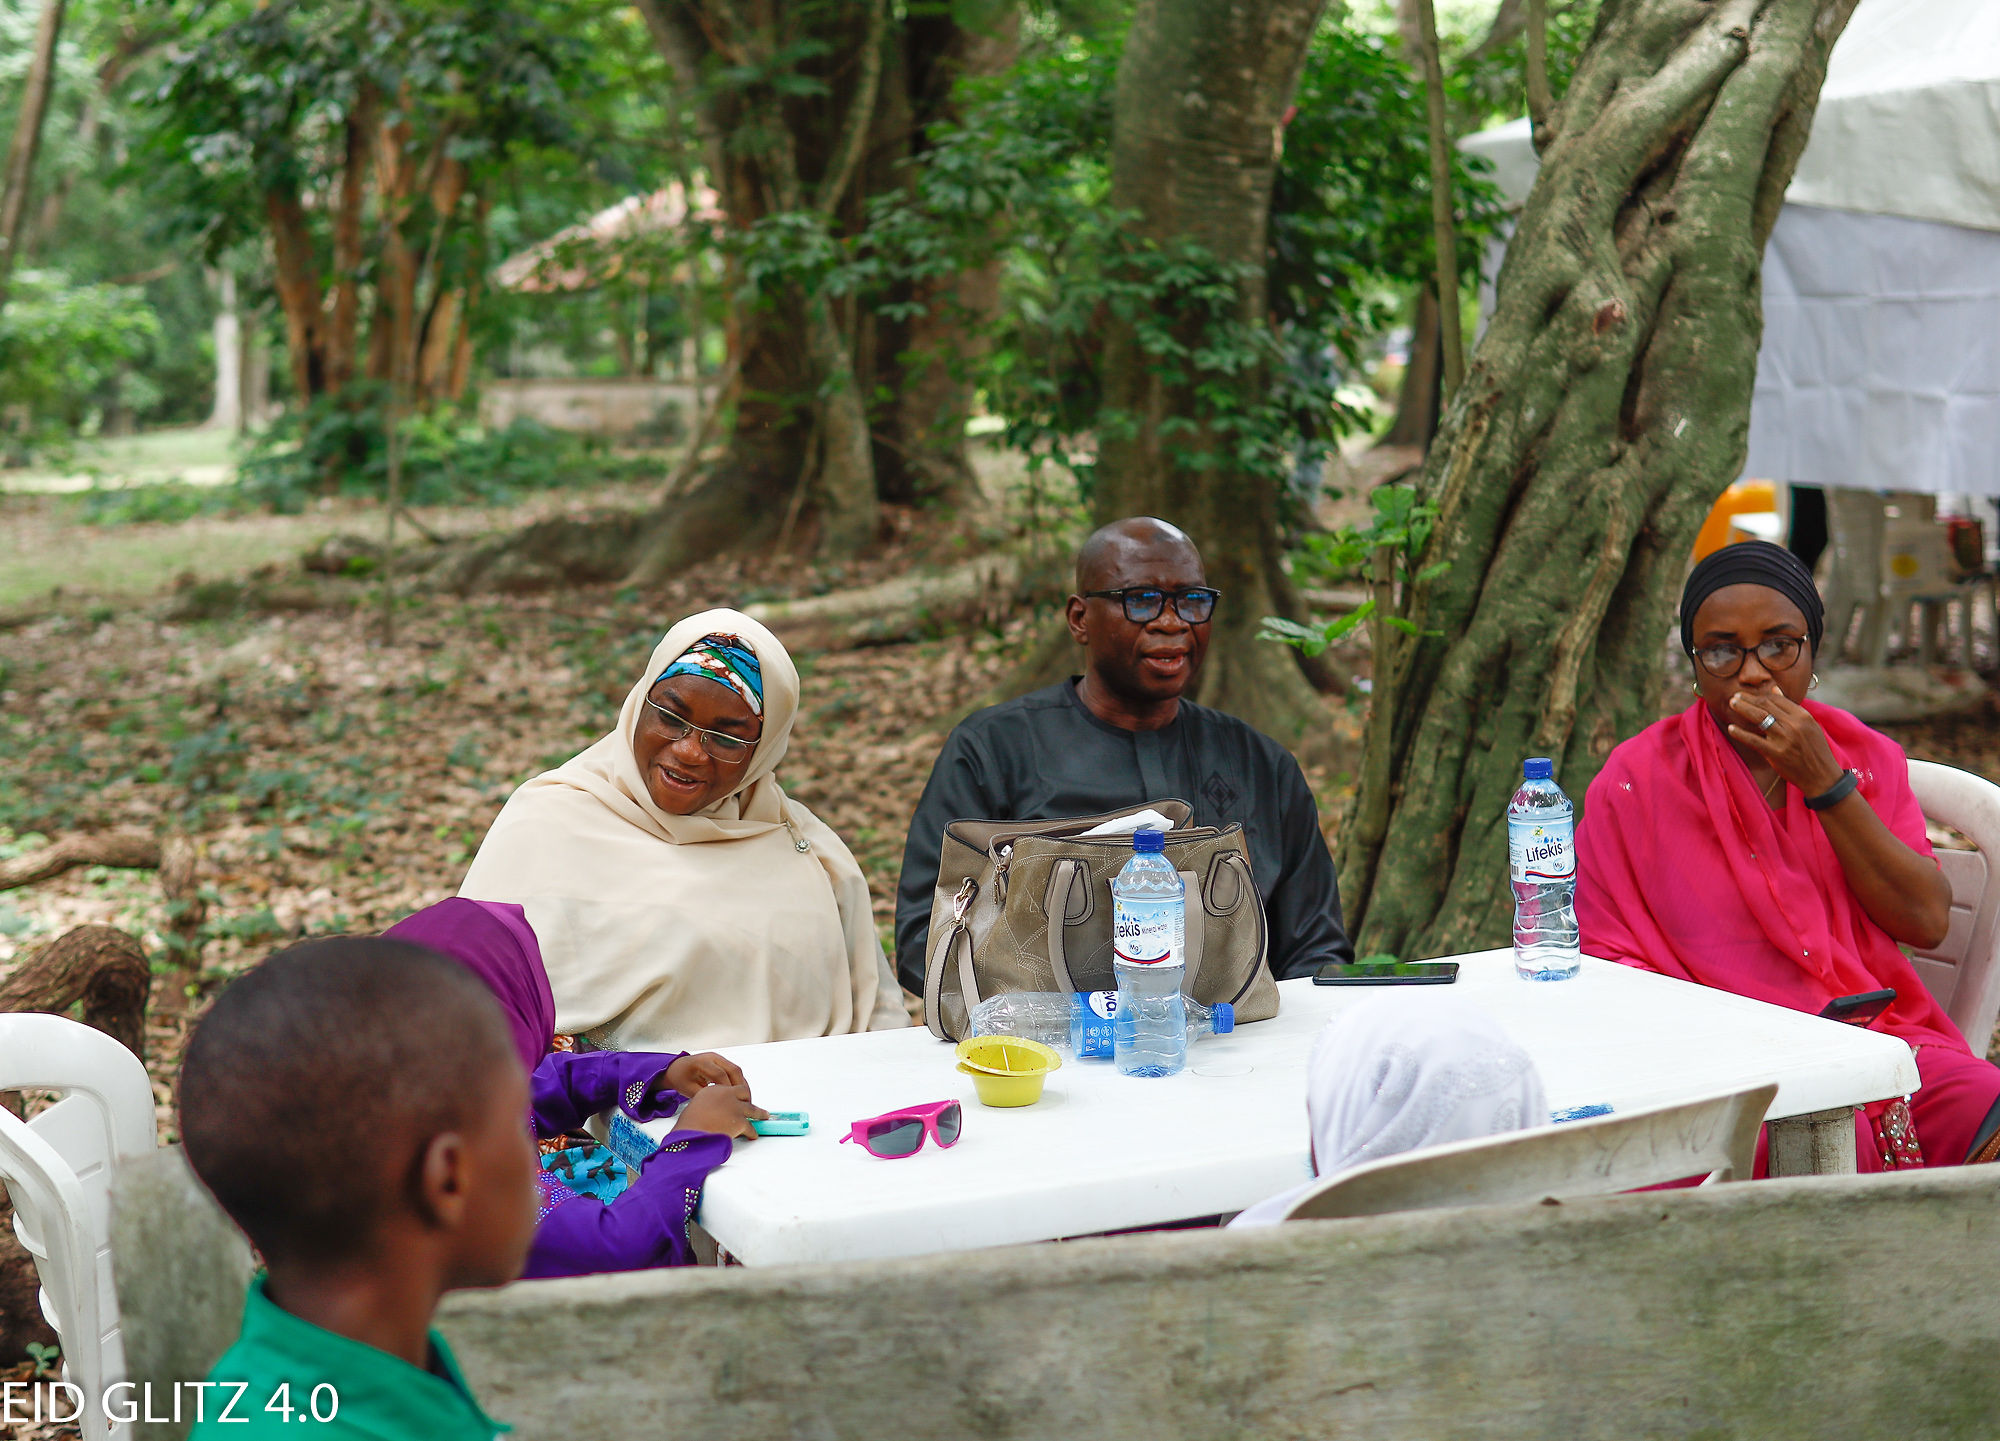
x,y
1766,723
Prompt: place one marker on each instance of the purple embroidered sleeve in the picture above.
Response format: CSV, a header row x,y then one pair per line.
x,y
645,1227
568,1087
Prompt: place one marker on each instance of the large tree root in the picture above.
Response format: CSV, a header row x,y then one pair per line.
x,y
106,970
119,848
177,859
905,608
100,966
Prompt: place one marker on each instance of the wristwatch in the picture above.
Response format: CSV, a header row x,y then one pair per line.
x,y
1834,794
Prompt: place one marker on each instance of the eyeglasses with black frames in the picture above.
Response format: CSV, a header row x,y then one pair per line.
x,y
721,747
1722,660
1195,605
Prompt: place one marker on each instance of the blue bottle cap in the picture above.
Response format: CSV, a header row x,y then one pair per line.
x,y
1538,768
1224,1018
1149,842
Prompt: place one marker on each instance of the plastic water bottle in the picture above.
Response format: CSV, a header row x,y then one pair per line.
x,y
1148,921
1079,1023
1094,1021
1033,1015
1541,861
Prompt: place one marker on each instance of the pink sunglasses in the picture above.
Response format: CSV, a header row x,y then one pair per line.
x,y
899,1133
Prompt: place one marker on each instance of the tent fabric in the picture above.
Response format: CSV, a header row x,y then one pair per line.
x,y
1909,117
1880,366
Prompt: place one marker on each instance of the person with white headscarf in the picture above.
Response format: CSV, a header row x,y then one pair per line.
x,y
681,899
1400,1072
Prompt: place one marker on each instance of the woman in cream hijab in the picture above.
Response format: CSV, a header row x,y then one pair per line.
x,y
682,901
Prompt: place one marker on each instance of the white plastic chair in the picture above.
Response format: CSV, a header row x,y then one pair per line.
x,y
57,1169
1963,971
1715,1138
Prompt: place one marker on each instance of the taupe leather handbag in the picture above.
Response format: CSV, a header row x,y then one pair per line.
x,y
1026,906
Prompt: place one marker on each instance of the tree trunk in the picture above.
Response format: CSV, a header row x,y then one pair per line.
x,y
921,454
1202,89
227,413
1605,409
297,283
20,176
343,326
810,367
1418,397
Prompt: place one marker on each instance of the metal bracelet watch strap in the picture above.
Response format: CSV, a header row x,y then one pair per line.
x,y
1834,794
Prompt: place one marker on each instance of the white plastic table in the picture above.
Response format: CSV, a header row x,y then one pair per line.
x,y
1104,1152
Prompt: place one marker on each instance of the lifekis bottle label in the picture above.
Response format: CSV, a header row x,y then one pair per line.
x,y
1144,934
1542,850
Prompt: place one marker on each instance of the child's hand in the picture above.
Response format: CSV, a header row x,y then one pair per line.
x,y
725,1110
690,1074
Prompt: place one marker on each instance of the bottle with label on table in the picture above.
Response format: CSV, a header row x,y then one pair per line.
x,y
1149,920
1541,864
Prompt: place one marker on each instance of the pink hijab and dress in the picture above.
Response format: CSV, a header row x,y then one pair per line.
x,y
1684,869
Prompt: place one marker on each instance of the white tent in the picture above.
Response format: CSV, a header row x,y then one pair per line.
x,y
1880,367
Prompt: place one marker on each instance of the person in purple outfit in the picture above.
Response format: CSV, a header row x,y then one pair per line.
x,y
578,1232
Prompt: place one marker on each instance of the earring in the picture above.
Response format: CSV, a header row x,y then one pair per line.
x,y
1695,688
1815,682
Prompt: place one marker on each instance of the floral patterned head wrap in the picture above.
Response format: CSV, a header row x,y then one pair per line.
x,y
725,660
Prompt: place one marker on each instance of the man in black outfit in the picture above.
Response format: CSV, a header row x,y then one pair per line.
x,y
1121,735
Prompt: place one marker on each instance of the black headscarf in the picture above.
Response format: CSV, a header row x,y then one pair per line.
x,y
1753,562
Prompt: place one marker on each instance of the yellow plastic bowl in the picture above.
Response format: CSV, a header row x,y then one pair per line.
x,y
1007,1070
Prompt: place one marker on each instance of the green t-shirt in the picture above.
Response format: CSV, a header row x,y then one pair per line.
x,y
289,1378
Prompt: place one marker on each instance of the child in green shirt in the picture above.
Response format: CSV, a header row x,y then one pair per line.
x,y
356,1106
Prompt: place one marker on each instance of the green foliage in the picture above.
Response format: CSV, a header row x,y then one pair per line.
x,y
1351,208
446,456
1398,531
1024,180
61,347
168,502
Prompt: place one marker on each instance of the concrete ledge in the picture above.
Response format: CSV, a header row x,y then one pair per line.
x,y
1813,1308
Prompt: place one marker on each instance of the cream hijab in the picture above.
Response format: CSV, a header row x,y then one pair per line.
x,y
747,921
1401,1072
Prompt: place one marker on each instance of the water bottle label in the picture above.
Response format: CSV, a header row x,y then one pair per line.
x,y
1094,1035
1144,934
1542,850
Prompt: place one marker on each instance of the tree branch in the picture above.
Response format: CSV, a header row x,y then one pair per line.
x,y
34,109
1443,226
1541,102
854,134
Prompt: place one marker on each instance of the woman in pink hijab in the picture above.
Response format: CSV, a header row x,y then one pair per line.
x,y
1765,844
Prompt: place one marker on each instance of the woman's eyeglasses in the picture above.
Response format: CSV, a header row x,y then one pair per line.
x,y
1193,605
718,745
1723,660
896,1134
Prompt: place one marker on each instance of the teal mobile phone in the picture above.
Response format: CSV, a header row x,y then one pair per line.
x,y
783,1123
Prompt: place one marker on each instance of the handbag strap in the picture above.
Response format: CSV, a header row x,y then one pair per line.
x,y
1064,876
968,891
